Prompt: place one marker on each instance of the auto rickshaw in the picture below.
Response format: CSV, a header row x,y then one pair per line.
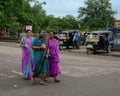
x,y
96,41
66,38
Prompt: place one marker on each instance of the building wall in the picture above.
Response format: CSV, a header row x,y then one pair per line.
x,y
117,24
2,32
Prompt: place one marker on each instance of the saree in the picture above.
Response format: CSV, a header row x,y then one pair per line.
x,y
27,58
41,65
54,60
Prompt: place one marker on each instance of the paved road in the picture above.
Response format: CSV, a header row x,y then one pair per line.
x,y
82,75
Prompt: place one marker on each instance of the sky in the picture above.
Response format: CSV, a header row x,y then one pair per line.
x,y
65,7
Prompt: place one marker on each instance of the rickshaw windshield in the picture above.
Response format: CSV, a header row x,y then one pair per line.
x,y
92,35
62,35
110,35
88,35
95,36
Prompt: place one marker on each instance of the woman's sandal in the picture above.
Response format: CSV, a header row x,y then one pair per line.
x,y
57,81
26,78
42,83
33,81
45,80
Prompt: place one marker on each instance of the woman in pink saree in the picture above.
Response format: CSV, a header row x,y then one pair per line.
x,y
27,55
54,59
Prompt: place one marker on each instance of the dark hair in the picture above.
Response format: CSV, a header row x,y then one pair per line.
x,y
75,32
27,31
57,38
53,32
41,31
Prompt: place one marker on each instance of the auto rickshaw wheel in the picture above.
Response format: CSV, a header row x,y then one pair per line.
x,y
60,47
67,47
94,52
108,50
89,51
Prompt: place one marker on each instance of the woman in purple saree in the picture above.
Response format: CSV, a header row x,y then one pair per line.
x,y
27,55
54,59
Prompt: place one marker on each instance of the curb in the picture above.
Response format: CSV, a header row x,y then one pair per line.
x,y
109,54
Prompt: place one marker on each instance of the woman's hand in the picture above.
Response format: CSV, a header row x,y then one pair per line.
x,y
26,46
38,47
42,47
47,56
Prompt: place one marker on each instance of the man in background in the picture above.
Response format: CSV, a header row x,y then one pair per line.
x,y
75,40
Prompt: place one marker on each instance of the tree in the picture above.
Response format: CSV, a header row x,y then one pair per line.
x,y
7,10
35,15
97,14
70,22
62,23
18,14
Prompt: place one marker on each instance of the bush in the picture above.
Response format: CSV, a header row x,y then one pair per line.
x,y
13,32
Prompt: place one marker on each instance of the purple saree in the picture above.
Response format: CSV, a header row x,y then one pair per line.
x,y
27,58
54,60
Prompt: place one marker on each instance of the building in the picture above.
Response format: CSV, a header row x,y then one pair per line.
x,y
2,32
117,24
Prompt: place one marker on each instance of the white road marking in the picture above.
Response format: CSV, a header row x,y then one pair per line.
x,y
15,85
12,61
78,72
4,75
19,73
11,76
7,59
8,76
1,74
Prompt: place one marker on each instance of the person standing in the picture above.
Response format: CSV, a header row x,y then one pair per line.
x,y
41,66
54,59
27,57
85,37
106,41
75,40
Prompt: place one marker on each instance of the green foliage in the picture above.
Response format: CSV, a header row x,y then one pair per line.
x,y
62,23
96,14
12,31
20,13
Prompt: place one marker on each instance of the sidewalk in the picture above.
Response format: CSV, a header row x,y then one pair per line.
x,y
115,53
9,44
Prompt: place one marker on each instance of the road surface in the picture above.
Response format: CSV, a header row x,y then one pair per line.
x,y
82,75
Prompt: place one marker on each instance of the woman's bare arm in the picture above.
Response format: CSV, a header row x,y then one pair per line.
x,y
37,47
21,45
